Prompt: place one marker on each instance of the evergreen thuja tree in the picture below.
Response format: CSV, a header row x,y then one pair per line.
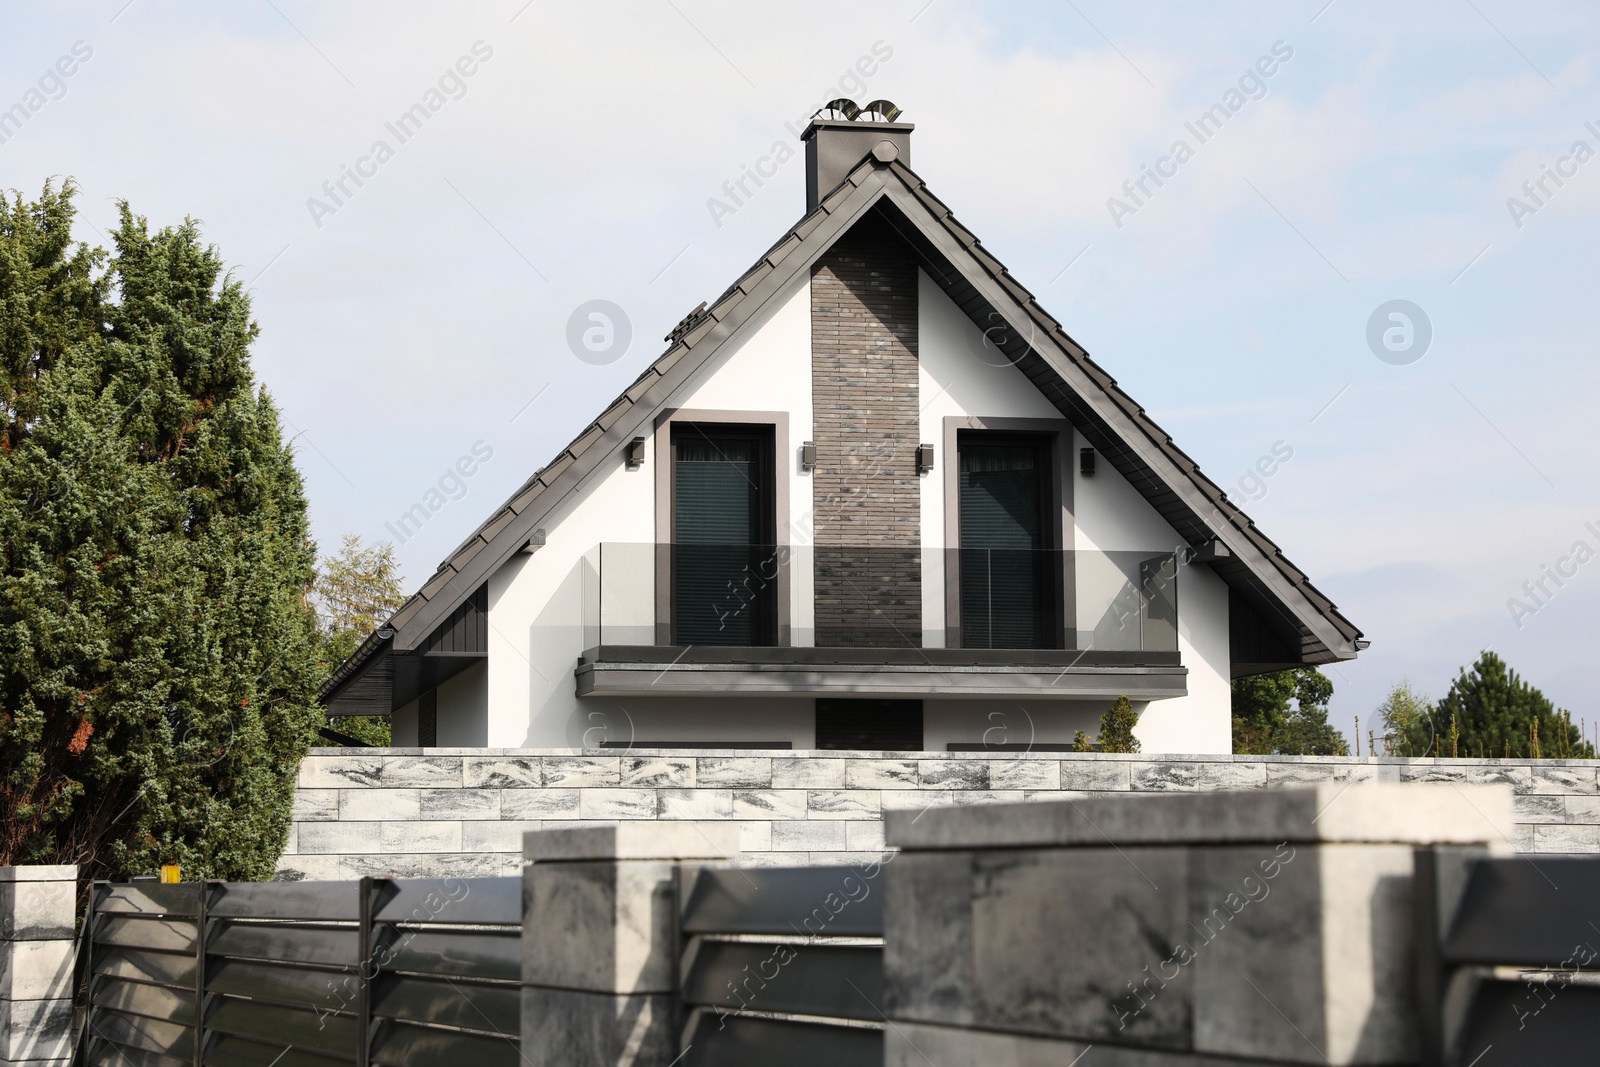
x,y
1116,727
1490,711
157,655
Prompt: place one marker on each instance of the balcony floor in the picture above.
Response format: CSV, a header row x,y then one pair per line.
x,y
705,670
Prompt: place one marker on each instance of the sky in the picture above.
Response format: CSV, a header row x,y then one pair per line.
x,y
1372,153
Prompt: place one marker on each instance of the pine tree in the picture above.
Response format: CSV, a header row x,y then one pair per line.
x,y
1491,710
1116,728
356,590
157,654
1265,723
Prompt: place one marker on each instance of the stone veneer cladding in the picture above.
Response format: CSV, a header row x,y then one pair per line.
x,y
865,488
410,813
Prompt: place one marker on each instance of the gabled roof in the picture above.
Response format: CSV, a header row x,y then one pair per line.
x,y
1255,569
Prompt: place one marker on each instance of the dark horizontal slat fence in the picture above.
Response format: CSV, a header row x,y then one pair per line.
x,y
1508,957
375,973
762,946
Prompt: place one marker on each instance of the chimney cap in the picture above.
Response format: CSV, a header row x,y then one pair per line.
x,y
844,114
885,110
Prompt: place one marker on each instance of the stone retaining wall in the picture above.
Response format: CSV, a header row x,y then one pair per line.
x,y
36,959
416,813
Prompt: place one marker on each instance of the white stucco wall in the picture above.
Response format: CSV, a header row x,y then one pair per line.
x,y
1113,517
536,601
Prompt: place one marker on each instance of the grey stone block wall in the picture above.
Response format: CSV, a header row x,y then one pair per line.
x,y
1223,928
415,813
36,956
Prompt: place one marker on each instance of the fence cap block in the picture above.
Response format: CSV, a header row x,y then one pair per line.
x,y
1413,813
634,841
41,872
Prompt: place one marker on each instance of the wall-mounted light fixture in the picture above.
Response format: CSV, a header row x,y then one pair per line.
x,y
635,453
808,455
1086,462
924,459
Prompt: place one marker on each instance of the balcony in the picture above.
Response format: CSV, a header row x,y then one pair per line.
x,y
878,620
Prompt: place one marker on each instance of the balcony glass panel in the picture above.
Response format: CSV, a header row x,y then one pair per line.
x,y
879,596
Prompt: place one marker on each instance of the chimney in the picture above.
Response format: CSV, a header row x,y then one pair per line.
x,y
841,135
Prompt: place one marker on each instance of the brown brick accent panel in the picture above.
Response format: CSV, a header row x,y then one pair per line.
x,y
864,398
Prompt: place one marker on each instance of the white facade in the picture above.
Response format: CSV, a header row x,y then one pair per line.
x,y
525,696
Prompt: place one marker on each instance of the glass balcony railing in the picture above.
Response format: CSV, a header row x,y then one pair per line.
x,y
878,596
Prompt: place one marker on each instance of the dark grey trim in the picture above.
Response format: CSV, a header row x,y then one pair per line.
x,y
1063,532
665,678
1053,658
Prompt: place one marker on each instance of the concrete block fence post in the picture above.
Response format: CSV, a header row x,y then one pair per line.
x,y
600,940
1259,927
36,958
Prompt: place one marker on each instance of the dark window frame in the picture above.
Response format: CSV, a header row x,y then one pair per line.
x,y
1048,628
1059,527
661,465
769,596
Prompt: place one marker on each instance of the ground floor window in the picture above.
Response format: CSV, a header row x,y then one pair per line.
x,y
877,725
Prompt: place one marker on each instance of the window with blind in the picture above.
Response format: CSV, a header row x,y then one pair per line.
x,y
722,533
1006,562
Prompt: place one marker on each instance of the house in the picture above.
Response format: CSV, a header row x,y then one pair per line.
x,y
871,497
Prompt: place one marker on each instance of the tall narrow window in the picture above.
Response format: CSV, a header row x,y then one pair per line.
x,y
428,719
1007,598
723,589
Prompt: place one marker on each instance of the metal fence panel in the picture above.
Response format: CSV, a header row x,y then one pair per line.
x,y
149,1001
780,966
156,899
1514,1024
484,901
152,1035
741,1042
1528,910
832,901
102,1053
802,979
162,968
409,1045
142,931
328,901
449,1001
469,953
304,1028
294,985
337,945
224,1051
1481,919
300,974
